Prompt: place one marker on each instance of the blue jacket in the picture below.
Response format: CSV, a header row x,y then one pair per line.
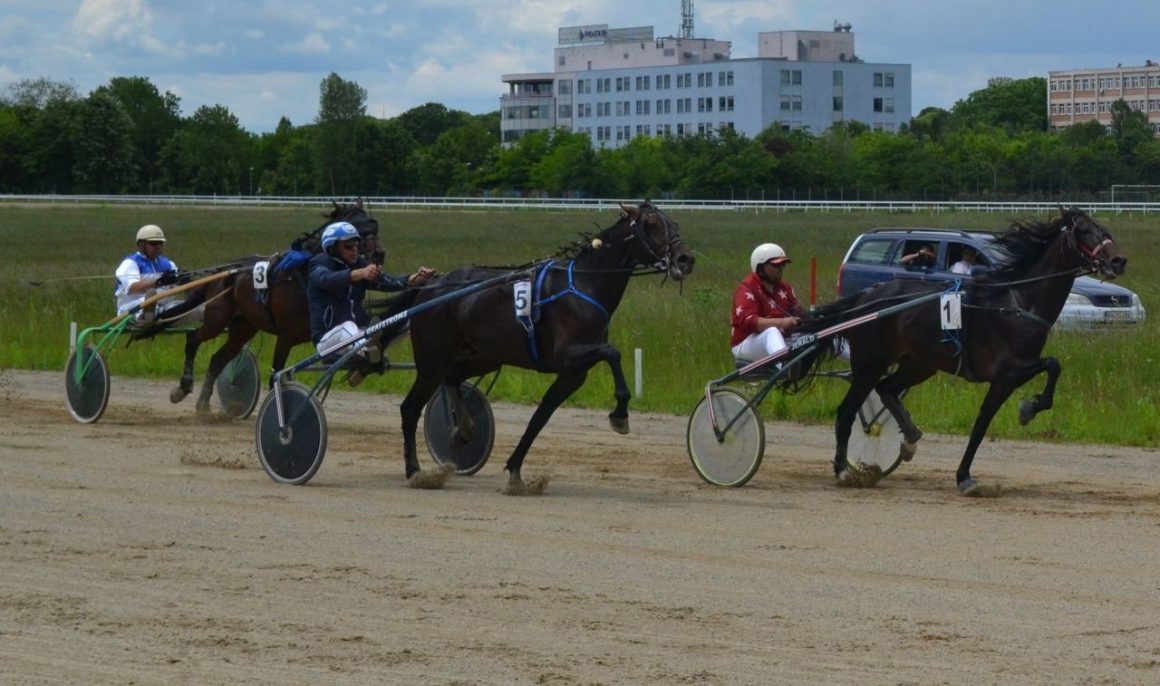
x,y
334,299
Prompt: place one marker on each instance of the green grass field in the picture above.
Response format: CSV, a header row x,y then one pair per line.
x,y
1106,394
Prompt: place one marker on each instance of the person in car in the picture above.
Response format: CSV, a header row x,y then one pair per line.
x,y
765,307
967,263
921,259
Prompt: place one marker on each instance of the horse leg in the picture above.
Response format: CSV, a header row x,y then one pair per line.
x,y
240,333
860,387
564,386
1042,401
410,410
997,394
890,390
580,358
282,346
185,384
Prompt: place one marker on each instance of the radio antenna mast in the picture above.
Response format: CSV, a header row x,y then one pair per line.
x,y
686,18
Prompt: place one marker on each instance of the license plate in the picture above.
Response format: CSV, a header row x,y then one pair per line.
x,y
1117,316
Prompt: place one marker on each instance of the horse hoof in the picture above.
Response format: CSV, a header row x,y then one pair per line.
x,y
1026,411
178,394
619,424
860,476
969,487
516,486
906,451
433,479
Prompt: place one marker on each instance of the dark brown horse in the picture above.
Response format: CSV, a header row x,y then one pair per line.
x,y
571,302
237,305
1006,315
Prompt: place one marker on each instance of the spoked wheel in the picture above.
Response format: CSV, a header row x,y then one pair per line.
x,y
88,394
875,437
294,454
734,459
460,434
239,385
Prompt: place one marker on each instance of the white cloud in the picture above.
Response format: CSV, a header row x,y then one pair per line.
x,y
111,20
313,44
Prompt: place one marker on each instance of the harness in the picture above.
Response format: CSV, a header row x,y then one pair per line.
x,y
529,321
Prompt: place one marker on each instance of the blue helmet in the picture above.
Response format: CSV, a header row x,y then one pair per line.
x,y
337,232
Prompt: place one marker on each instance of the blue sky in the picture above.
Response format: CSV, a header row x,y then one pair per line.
x,y
264,59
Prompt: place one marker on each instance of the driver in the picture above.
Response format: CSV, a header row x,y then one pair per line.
x,y
765,307
145,271
338,283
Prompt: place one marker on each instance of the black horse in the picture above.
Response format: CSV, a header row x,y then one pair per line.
x,y
236,304
1006,315
571,302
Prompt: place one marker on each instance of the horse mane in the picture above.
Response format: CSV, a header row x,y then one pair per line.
x,y
583,245
1025,242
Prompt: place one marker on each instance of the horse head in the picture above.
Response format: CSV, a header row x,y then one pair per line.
x,y
1093,243
656,240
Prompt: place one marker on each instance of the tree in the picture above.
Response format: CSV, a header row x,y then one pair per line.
x,y
39,92
154,118
1130,129
210,155
1013,105
341,106
427,122
102,140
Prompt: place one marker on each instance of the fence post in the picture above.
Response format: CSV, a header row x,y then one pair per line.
x,y
638,370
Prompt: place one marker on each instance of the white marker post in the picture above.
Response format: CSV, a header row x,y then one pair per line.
x,y
636,357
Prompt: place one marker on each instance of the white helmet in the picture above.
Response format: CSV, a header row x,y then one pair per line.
x,y
765,253
150,232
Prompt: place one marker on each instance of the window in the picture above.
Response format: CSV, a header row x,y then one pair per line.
x,y
784,105
888,79
877,79
877,104
791,77
837,79
725,103
888,104
725,78
796,102
680,106
837,103
565,111
564,87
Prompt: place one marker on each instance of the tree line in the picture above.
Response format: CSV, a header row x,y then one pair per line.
x,y
127,137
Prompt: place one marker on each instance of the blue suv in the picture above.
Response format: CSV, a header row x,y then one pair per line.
x,y
876,256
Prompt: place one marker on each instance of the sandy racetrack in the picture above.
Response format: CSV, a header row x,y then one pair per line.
x,y
151,549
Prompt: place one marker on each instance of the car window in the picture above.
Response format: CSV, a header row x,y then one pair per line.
x,y
913,246
955,253
871,251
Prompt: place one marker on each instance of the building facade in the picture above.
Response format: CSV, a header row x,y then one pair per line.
x,y
1080,95
616,84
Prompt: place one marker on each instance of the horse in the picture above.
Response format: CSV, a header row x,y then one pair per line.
x,y
1006,314
571,300
234,303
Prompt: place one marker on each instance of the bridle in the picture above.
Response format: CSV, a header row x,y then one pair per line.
x,y
1095,261
661,261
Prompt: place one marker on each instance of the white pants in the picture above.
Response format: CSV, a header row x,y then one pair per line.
x,y
760,345
344,332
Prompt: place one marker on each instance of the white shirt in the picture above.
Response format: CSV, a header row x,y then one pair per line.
x,y
128,274
961,267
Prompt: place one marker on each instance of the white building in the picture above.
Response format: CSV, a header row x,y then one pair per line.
x,y
616,84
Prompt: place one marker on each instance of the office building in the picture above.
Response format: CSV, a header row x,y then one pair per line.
x,y
615,84
1080,95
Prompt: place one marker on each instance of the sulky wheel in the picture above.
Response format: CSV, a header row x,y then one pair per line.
x,y
291,455
239,385
88,390
875,437
734,459
459,433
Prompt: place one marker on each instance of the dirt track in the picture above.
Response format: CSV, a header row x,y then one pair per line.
x,y
150,549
